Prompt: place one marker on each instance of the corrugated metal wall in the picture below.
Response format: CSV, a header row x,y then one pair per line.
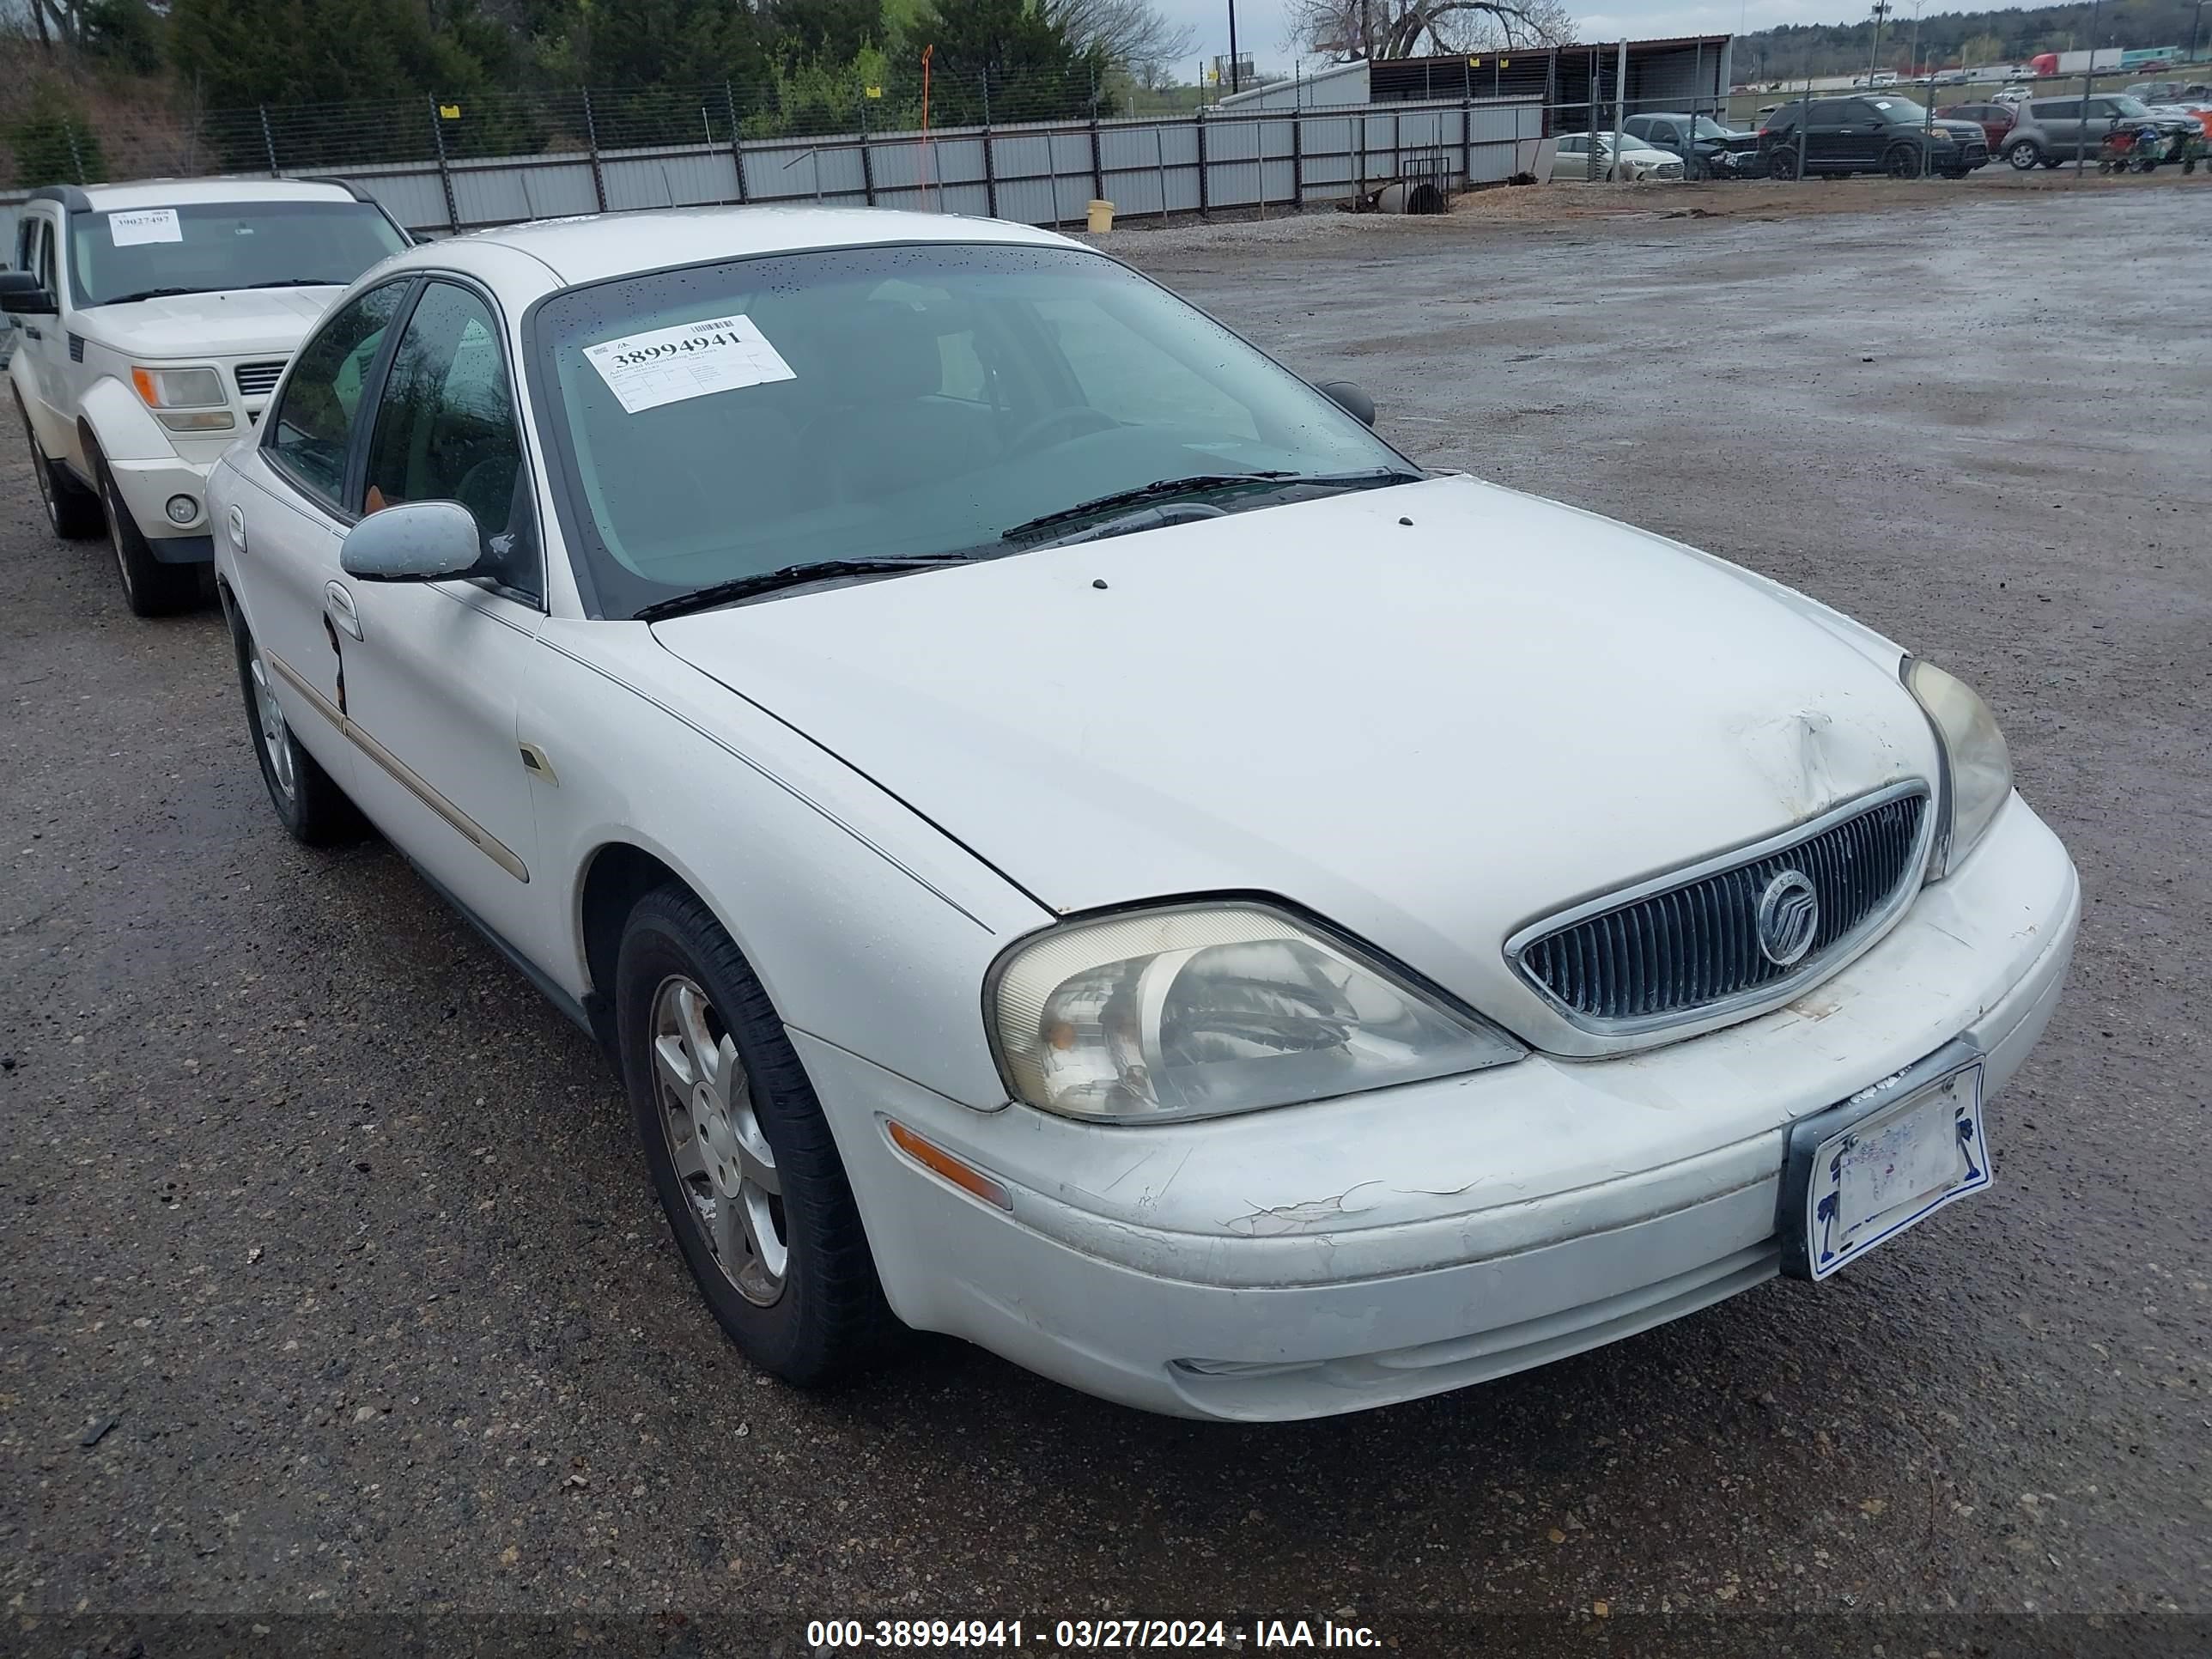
x,y
1042,173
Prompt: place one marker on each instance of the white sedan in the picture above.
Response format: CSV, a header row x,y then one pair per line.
x,y
1570,162
1073,841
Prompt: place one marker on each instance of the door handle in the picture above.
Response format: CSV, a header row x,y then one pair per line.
x,y
238,529
339,604
33,333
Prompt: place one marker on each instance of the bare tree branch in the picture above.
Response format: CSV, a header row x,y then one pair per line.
x,y
1130,34
1404,28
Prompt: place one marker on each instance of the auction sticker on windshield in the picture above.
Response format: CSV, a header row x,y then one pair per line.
x,y
692,360
142,225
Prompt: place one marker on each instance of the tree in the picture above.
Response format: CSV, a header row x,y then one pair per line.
x,y
1404,28
1034,71
1126,34
53,142
1980,50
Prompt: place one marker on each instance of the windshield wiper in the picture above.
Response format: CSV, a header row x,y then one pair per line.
x,y
151,293
1163,489
291,281
790,575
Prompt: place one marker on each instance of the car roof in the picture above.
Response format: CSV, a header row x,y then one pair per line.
x,y
187,192
595,246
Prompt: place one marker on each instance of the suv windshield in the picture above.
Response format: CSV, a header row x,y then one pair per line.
x,y
1899,112
207,247
720,423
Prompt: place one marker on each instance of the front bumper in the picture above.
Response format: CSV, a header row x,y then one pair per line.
x,y
1353,1253
147,487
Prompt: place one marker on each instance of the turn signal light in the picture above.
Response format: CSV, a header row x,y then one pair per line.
x,y
940,1163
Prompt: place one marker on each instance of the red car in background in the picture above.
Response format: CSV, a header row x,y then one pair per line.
x,y
1995,120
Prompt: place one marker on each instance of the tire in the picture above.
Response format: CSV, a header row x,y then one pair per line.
x,y
1903,161
309,803
72,511
741,1156
150,588
2024,154
1781,164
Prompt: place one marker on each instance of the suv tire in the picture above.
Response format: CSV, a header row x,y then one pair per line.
x,y
72,511
741,1156
2023,153
150,588
1781,163
1903,161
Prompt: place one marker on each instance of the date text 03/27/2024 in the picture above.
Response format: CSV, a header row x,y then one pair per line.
x,y
1086,1635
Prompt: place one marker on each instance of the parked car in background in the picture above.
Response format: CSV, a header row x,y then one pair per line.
x,y
1956,77
689,596
1720,152
2017,93
1994,119
1870,133
154,321
1639,161
2164,92
2051,131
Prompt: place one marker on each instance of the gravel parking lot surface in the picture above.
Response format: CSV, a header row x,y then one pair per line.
x,y
332,1283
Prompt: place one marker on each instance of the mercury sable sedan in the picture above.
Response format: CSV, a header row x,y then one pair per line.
x,y
1073,841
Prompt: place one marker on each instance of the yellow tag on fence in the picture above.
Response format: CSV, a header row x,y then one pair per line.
x,y
449,112
874,92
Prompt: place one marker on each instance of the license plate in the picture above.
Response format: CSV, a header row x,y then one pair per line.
x,y
1889,1157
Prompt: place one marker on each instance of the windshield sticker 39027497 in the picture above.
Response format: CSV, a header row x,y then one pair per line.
x,y
691,360
142,225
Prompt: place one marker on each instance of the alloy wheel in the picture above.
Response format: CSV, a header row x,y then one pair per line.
x,y
276,740
723,1161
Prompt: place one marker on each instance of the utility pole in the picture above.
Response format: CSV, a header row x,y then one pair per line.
x,y
1881,9
2195,18
1232,46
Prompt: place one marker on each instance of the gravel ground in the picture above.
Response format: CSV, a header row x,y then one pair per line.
x,y
337,1305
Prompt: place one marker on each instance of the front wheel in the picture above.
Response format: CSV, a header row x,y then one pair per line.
x,y
1903,161
2023,155
150,587
72,512
308,801
741,1156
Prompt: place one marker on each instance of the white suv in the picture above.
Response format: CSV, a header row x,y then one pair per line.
x,y
155,320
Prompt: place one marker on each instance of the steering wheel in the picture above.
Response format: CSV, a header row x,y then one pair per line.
x,y
1059,426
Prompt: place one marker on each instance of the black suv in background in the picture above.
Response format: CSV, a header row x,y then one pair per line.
x,y
1876,132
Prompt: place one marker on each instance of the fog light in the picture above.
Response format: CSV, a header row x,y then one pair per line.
x,y
183,509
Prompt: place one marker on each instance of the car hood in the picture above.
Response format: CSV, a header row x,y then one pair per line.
x,y
1429,713
209,325
1960,127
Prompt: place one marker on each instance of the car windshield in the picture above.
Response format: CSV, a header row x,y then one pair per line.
x,y
724,421
2130,106
1898,111
207,247
1709,128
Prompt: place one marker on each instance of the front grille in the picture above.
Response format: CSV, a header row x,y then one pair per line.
x,y
1689,945
258,379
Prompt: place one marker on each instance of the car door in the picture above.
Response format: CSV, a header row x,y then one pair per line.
x,y
2098,119
1570,160
435,669
286,513
1855,133
44,343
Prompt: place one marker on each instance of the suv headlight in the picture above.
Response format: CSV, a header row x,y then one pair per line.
x,y
1198,1011
1977,765
196,392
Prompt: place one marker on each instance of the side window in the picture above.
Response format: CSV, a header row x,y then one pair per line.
x,y
446,432
49,276
26,234
2057,109
1664,132
310,429
2103,109
1575,145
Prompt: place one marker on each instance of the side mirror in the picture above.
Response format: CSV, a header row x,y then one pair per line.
x,y
413,542
1350,399
21,296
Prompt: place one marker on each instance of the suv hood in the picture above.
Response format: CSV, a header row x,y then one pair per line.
x,y
1429,732
1963,129
222,325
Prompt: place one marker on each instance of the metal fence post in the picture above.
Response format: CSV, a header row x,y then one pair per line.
x,y
592,142
77,155
1297,162
867,155
269,142
1160,159
1098,171
445,173
990,164
1467,142
737,144
1198,125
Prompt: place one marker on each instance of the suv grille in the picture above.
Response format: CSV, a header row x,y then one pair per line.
x,y
1692,946
258,379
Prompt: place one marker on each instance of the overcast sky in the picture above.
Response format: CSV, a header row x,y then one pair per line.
x,y
1262,33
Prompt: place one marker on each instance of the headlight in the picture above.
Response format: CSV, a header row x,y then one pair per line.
x,y
1201,1011
178,388
1976,766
